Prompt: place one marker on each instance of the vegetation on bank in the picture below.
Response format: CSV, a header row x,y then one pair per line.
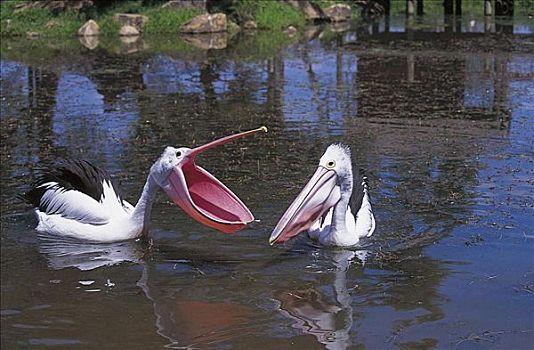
x,y
271,15
268,14
67,23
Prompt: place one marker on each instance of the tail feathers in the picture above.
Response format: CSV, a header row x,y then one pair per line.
x,y
360,189
69,175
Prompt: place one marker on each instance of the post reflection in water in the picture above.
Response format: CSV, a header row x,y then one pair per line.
x,y
438,115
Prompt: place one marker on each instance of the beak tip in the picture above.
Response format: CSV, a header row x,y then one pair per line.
x,y
263,128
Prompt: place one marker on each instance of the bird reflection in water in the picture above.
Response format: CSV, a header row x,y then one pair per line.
x,y
181,318
313,312
190,323
63,253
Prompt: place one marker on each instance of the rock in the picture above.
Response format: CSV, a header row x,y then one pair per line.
x,y
90,42
90,28
313,32
131,44
128,31
51,24
33,35
250,24
339,12
290,30
339,27
131,19
179,4
206,23
312,11
55,6
207,41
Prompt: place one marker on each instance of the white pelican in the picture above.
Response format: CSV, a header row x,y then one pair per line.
x,y
79,200
327,204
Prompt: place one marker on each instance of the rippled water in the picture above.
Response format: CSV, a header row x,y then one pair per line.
x,y
442,121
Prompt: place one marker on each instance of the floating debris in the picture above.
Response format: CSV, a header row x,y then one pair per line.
x,y
109,284
86,283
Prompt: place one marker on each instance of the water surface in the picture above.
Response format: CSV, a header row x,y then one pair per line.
x,y
439,114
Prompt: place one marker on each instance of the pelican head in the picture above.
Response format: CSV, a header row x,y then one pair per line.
x,y
331,180
199,193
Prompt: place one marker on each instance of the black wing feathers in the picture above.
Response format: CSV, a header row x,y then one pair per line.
x,y
79,175
359,185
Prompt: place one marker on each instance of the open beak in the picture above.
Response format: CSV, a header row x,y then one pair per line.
x,y
205,198
320,194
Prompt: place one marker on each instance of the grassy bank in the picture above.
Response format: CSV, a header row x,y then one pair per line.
x,y
270,15
67,23
267,14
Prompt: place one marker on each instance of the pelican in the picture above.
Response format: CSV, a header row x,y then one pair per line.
x,y
79,200
333,207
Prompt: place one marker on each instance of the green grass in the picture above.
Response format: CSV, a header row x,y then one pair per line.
x,y
37,20
276,15
169,21
67,23
267,14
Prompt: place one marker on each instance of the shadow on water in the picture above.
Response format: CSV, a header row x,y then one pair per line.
x,y
438,114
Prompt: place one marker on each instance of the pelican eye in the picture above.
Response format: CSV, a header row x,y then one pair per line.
x,y
331,164
179,154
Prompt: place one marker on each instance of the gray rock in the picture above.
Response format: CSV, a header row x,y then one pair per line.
x,y
313,32
206,23
131,19
290,30
339,12
339,27
90,42
33,35
312,11
128,31
207,41
179,4
55,6
131,44
90,28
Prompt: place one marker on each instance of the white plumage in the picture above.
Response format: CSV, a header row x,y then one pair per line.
x,y
327,205
79,200
355,228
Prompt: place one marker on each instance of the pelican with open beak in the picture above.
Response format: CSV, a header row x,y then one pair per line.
x,y
201,195
77,199
333,206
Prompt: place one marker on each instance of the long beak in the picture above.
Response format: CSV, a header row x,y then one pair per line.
x,y
203,196
219,142
320,194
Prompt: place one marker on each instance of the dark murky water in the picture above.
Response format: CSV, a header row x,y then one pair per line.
x,y
441,117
